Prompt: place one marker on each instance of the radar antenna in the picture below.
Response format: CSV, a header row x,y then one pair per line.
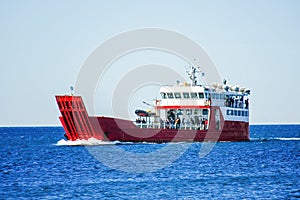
x,y
192,74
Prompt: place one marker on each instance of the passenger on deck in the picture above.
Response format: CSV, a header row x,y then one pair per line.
x,y
138,120
177,123
241,102
172,122
247,103
227,101
161,123
236,102
192,122
167,124
202,124
183,122
231,101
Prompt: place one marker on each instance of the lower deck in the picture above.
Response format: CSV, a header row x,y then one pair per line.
x,y
125,131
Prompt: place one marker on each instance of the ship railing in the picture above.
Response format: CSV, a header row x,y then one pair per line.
x,y
164,125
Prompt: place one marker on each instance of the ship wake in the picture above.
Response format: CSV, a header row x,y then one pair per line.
x,y
274,139
89,142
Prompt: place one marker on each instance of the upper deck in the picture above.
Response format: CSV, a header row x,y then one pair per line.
x,y
198,96
232,100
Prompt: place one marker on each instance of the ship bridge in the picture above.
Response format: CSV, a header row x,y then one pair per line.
x,y
183,96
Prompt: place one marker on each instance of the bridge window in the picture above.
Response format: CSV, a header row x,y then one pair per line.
x,y
194,95
170,95
177,95
186,95
201,95
205,112
163,95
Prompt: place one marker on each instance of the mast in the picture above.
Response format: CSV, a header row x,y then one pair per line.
x,y
192,75
191,72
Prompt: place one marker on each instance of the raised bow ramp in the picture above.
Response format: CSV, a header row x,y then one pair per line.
x,y
74,118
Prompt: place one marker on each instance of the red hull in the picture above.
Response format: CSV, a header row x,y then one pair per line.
x,y
122,130
78,125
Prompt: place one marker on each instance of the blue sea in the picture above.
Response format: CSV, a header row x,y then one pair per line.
x,y
37,164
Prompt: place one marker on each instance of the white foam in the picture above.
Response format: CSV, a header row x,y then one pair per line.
x,y
287,138
272,139
89,142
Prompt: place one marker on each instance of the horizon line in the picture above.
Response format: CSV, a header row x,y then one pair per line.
x,y
58,125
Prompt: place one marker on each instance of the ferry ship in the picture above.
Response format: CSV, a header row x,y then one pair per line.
x,y
185,112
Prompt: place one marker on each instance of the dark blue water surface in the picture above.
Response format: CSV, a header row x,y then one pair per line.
x,y
267,167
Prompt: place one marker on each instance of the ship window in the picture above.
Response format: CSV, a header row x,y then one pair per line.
x,y
213,95
177,95
239,113
201,95
170,95
228,112
188,111
193,95
235,112
206,95
217,96
163,95
205,112
223,97
243,113
246,113
186,95
179,112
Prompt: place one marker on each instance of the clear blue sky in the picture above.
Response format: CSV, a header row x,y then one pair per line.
x,y
44,43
